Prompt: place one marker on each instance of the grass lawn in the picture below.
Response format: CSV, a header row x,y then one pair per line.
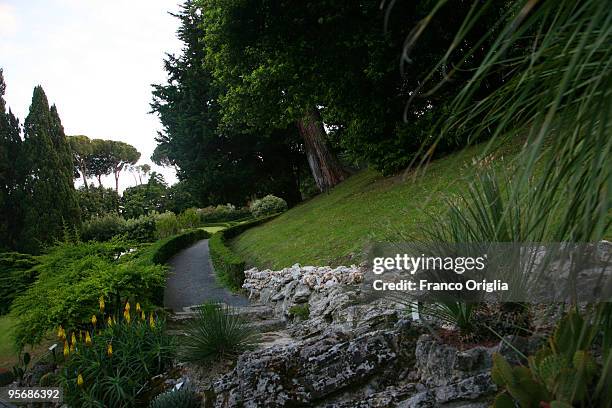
x,y
334,228
213,229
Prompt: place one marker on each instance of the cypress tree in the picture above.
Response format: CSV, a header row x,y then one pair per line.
x,y
50,203
10,180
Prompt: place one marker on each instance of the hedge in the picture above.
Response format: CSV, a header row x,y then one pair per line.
x,y
229,266
169,247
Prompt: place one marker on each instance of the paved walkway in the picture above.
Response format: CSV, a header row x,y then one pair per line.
x,y
192,280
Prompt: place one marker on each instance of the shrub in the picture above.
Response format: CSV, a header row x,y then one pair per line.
x,y
222,213
16,275
183,398
141,229
300,311
166,224
268,205
102,228
216,333
229,266
70,277
189,219
166,249
110,365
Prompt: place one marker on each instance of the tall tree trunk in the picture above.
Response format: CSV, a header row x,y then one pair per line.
x,y
84,174
325,167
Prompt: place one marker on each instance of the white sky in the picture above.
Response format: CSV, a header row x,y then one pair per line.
x,y
95,60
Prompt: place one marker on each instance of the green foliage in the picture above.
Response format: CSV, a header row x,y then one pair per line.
x,y
167,248
97,201
229,266
166,224
262,160
50,202
268,205
11,175
563,372
15,277
102,228
141,229
146,198
140,350
184,398
189,218
300,311
71,277
216,333
222,213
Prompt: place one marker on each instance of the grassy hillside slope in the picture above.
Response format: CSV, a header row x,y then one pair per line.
x,y
334,228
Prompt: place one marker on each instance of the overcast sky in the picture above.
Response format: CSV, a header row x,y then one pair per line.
x,y
95,60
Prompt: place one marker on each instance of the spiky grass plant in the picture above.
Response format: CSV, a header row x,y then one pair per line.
x,y
217,333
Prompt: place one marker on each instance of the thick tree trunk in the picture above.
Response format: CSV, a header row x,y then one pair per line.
x,y
325,167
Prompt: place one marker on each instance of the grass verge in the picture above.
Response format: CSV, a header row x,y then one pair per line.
x,y
335,228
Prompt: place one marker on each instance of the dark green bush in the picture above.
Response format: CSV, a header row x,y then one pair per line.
x,y
72,276
94,375
102,228
229,266
16,275
216,333
183,398
141,229
166,249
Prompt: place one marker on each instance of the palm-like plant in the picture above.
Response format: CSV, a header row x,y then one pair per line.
x,y
217,333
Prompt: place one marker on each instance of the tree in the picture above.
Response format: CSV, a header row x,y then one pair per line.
x,y
140,171
11,179
82,152
97,201
100,162
145,198
120,155
50,203
217,165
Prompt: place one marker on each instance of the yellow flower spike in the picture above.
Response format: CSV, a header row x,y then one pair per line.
x,y
126,316
101,301
87,339
138,307
143,317
72,347
94,320
80,380
61,334
66,349
127,306
110,321
151,320
73,338
109,349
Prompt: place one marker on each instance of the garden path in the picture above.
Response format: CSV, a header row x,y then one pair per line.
x,y
192,280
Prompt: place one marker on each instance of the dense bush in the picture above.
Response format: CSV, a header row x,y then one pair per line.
x,y
166,224
16,275
183,398
223,213
229,266
111,365
189,218
166,249
268,205
71,276
141,229
102,228
216,333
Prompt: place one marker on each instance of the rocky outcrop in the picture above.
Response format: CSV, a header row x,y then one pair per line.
x,y
308,371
